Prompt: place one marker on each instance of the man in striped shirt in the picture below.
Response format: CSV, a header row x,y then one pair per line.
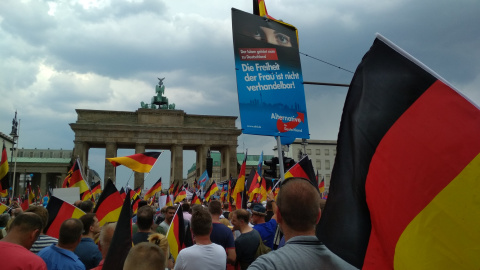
x,y
43,240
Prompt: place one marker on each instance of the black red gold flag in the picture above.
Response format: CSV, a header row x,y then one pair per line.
x,y
157,187
195,199
87,195
239,188
135,205
96,189
176,189
142,162
134,193
176,233
303,169
58,212
404,130
170,189
169,201
210,191
109,204
253,184
4,182
75,178
121,240
181,195
29,193
321,186
123,195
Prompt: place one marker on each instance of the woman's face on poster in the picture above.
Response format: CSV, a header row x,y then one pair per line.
x,y
273,37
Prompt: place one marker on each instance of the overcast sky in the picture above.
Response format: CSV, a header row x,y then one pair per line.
x,y
57,56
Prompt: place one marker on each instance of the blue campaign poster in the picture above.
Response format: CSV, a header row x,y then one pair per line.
x,y
271,96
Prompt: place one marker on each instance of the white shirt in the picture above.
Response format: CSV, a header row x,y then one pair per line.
x,y
211,256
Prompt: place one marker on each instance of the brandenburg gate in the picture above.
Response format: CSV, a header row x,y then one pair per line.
x,y
173,130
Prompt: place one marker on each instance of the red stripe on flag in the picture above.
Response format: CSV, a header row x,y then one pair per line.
x,y
420,154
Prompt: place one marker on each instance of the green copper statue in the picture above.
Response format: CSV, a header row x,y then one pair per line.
x,y
159,99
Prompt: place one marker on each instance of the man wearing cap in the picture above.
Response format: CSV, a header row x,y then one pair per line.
x,y
266,229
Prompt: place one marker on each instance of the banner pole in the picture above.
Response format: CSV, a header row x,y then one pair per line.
x,y
280,158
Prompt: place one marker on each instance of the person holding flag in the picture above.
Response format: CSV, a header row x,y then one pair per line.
x,y
194,256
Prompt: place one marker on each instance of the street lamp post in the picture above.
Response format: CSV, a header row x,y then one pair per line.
x,y
14,135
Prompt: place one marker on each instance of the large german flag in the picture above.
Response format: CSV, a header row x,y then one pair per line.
x,y
109,204
157,187
121,240
176,234
58,212
303,169
4,185
404,189
142,162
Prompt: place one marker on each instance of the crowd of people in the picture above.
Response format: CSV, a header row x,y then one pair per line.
x,y
277,235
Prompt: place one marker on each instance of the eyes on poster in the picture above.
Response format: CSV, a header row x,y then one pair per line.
x,y
271,96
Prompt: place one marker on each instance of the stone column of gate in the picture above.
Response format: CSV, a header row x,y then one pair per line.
x,y
43,182
139,177
176,170
59,182
228,164
81,151
201,160
110,151
232,168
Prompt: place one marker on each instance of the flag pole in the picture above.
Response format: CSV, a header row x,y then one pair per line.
x,y
126,185
15,160
280,158
80,167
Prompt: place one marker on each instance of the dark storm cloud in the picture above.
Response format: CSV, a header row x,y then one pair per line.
x,y
61,55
